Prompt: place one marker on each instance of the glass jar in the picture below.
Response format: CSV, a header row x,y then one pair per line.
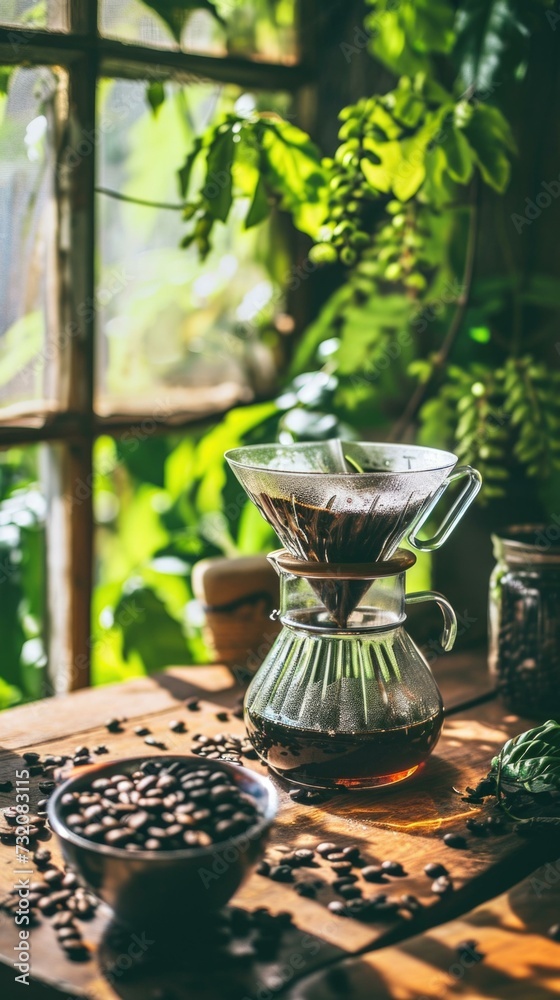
x,y
524,619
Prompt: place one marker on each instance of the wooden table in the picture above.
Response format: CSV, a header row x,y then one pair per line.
x,y
496,900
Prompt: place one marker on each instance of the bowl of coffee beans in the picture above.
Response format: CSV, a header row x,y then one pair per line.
x,y
164,837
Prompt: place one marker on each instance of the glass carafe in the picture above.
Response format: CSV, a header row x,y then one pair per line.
x,y
356,706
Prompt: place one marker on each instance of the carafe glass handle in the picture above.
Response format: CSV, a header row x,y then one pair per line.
x,y
449,633
465,498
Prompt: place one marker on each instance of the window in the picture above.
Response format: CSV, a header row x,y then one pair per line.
x,y
115,344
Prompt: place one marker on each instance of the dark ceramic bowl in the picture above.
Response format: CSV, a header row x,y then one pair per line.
x,y
145,888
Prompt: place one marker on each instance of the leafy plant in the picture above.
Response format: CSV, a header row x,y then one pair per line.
x,y
530,762
412,341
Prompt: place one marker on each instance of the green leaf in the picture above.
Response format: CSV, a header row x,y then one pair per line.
x,y
218,186
459,156
530,761
175,13
155,94
491,142
292,165
491,42
184,174
259,208
149,630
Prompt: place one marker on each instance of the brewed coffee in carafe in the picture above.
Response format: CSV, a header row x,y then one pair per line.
x,y
344,696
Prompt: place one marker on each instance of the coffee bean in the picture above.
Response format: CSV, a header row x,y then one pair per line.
x,y
337,908
116,837
469,949
553,932
100,749
177,726
336,856
306,889
454,840
46,906
410,903
53,876
263,868
342,867
6,786
344,880
476,828
31,757
42,857
68,933
63,919
304,856
47,786
442,885
349,891
222,716
151,741
434,869
75,949
352,853
193,704
114,726
281,873
138,820
373,873
393,868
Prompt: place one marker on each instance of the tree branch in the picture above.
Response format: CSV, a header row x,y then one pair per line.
x,y
400,426
140,201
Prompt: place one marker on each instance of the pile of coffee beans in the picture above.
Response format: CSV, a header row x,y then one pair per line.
x,y
525,643
58,896
160,807
350,869
223,746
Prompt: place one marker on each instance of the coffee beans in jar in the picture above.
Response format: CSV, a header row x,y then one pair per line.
x,y
524,621
162,806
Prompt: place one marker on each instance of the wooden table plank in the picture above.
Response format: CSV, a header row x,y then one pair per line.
x,y
405,823
460,677
520,960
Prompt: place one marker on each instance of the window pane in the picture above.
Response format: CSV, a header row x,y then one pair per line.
x,y
27,234
142,598
261,29
34,13
174,334
162,503
22,557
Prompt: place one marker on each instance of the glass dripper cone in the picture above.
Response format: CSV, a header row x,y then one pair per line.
x,y
323,509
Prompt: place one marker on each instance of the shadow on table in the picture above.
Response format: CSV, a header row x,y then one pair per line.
x,y
182,689
206,963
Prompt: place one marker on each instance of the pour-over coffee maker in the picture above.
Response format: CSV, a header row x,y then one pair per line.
x,y
345,697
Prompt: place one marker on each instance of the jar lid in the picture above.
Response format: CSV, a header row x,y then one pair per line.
x,y
529,543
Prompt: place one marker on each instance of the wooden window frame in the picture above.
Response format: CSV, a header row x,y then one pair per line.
x,y
67,465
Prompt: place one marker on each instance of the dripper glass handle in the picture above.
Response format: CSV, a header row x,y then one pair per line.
x,y
449,633
465,498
